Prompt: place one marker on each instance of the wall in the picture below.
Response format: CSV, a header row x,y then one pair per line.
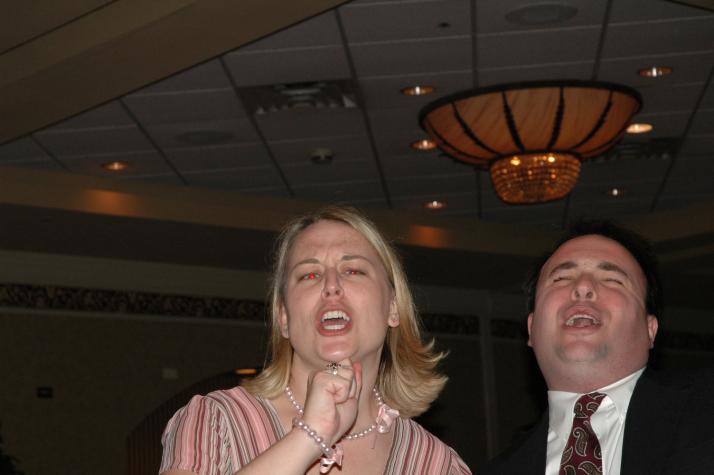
x,y
106,367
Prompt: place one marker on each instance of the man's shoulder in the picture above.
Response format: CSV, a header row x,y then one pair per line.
x,y
526,455
701,379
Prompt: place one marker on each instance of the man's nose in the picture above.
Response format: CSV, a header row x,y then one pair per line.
x,y
332,286
584,288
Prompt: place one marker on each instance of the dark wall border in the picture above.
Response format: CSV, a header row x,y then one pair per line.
x,y
80,300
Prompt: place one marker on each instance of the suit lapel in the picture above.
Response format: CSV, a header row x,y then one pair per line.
x,y
530,456
652,416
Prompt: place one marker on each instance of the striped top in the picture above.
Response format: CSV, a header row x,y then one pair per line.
x,y
219,433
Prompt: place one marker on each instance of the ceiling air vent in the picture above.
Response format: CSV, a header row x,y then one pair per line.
x,y
303,95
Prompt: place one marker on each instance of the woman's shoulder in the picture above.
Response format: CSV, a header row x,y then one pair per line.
x,y
425,445
236,398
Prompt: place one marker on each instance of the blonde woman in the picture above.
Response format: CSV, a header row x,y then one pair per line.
x,y
347,370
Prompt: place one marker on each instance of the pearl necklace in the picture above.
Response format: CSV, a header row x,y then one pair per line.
x,y
353,435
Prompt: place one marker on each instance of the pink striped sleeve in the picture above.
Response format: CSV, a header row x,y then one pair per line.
x,y
195,439
219,433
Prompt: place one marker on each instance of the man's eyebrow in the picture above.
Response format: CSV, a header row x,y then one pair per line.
x,y
562,266
609,266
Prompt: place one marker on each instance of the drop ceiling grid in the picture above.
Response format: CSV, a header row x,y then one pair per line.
x,y
394,43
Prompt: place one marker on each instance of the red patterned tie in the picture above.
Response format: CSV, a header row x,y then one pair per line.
x,y
582,455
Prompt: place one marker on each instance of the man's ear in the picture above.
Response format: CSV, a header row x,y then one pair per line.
x,y
652,327
530,324
393,320
283,319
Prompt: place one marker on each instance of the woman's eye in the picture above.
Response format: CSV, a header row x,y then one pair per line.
x,y
310,276
354,272
560,277
615,281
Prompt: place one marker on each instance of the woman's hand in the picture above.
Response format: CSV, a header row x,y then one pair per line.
x,y
332,399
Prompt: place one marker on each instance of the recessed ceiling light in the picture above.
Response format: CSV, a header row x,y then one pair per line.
x,y
639,128
417,90
655,71
424,144
115,166
435,204
614,192
543,14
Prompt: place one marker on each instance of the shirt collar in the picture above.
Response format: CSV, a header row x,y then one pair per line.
x,y
561,403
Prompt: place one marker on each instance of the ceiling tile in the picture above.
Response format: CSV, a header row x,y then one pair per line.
x,y
429,185
344,191
670,98
385,92
229,131
168,108
608,209
313,174
21,149
412,57
698,145
688,67
618,172
107,115
316,31
659,37
390,144
294,124
703,122
491,15
403,120
537,47
465,202
218,157
405,20
93,141
39,164
646,10
666,124
288,66
642,190
496,210
236,179
208,75
424,165
344,149
582,70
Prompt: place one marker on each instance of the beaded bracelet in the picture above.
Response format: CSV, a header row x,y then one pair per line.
x,y
300,424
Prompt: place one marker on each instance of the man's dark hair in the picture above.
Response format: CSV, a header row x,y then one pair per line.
x,y
639,247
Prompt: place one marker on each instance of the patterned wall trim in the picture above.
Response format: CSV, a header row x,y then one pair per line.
x,y
78,299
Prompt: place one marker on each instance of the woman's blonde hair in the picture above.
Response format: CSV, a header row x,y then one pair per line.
x,y
407,376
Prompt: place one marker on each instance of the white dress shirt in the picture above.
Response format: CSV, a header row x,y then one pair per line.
x,y
608,423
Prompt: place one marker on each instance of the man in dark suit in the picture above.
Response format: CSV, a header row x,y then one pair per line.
x,y
594,302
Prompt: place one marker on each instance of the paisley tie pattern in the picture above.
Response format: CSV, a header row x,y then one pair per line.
x,y
582,454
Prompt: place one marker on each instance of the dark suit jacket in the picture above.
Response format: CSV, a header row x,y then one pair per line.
x,y
669,430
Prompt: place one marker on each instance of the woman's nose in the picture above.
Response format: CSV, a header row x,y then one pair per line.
x,y
332,286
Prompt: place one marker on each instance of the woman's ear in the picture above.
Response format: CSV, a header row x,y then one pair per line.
x,y
393,320
283,318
